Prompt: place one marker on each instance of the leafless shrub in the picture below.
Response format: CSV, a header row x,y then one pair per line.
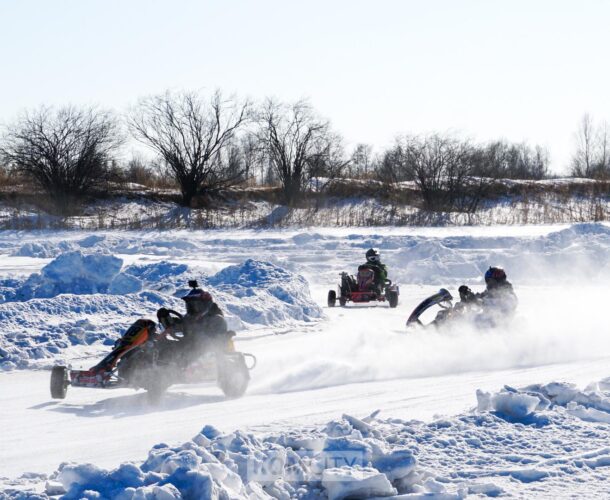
x,y
67,151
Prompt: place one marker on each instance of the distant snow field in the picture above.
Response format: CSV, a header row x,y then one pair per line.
x,y
523,410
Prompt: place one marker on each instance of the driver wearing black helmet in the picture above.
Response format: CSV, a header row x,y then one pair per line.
x,y
498,298
202,327
373,262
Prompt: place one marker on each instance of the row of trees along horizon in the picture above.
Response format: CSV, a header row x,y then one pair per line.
x,y
204,144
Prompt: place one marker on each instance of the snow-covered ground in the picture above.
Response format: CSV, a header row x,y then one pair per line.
x,y
322,372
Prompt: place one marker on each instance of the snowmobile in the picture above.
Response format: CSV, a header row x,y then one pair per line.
x,y
135,362
362,289
448,311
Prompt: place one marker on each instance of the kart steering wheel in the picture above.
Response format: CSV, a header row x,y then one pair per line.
x,y
171,312
168,316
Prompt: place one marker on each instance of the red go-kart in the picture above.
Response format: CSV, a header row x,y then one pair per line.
x,y
362,289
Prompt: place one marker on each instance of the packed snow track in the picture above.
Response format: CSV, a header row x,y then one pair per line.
x,y
315,363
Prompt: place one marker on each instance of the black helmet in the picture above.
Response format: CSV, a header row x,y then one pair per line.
x,y
372,255
495,276
198,301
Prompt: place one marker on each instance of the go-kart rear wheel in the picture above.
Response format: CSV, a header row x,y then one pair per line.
x,y
392,298
342,300
59,382
233,376
332,298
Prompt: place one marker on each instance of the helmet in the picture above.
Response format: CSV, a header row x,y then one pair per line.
x,y
372,255
197,301
495,276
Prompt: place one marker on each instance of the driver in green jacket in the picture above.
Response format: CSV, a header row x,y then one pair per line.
x,y
373,262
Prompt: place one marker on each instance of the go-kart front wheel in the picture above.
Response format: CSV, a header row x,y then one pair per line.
x,y
332,298
233,376
392,298
59,382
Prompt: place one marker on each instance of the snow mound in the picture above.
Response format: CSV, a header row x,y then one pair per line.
x,y
579,252
42,250
268,294
159,271
357,461
70,272
162,276
50,249
591,404
40,332
80,299
527,443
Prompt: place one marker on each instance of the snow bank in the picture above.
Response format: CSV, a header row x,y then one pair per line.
x,y
85,299
350,458
527,442
591,404
40,332
578,253
70,272
50,249
267,294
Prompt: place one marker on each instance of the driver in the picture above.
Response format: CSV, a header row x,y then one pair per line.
x,y
373,262
203,327
498,298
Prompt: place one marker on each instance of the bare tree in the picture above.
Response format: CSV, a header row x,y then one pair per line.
x,y
592,155
441,167
298,145
391,168
66,151
603,150
584,157
362,159
189,134
504,160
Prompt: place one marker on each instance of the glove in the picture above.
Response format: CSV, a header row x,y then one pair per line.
x,y
162,313
466,293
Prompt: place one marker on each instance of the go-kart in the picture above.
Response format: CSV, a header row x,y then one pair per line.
x,y
448,311
362,289
137,361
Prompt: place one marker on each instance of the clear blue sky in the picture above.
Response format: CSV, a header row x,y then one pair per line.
x,y
523,70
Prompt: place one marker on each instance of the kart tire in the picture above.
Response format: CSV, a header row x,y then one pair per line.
x,y
342,301
332,298
59,382
392,299
233,376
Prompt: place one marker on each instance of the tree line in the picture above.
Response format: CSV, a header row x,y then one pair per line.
x,y
202,144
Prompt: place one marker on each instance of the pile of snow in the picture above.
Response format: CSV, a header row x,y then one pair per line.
x,y
70,272
578,253
50,249
86,299
40,332
349,458
268,294
591,404
544,440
